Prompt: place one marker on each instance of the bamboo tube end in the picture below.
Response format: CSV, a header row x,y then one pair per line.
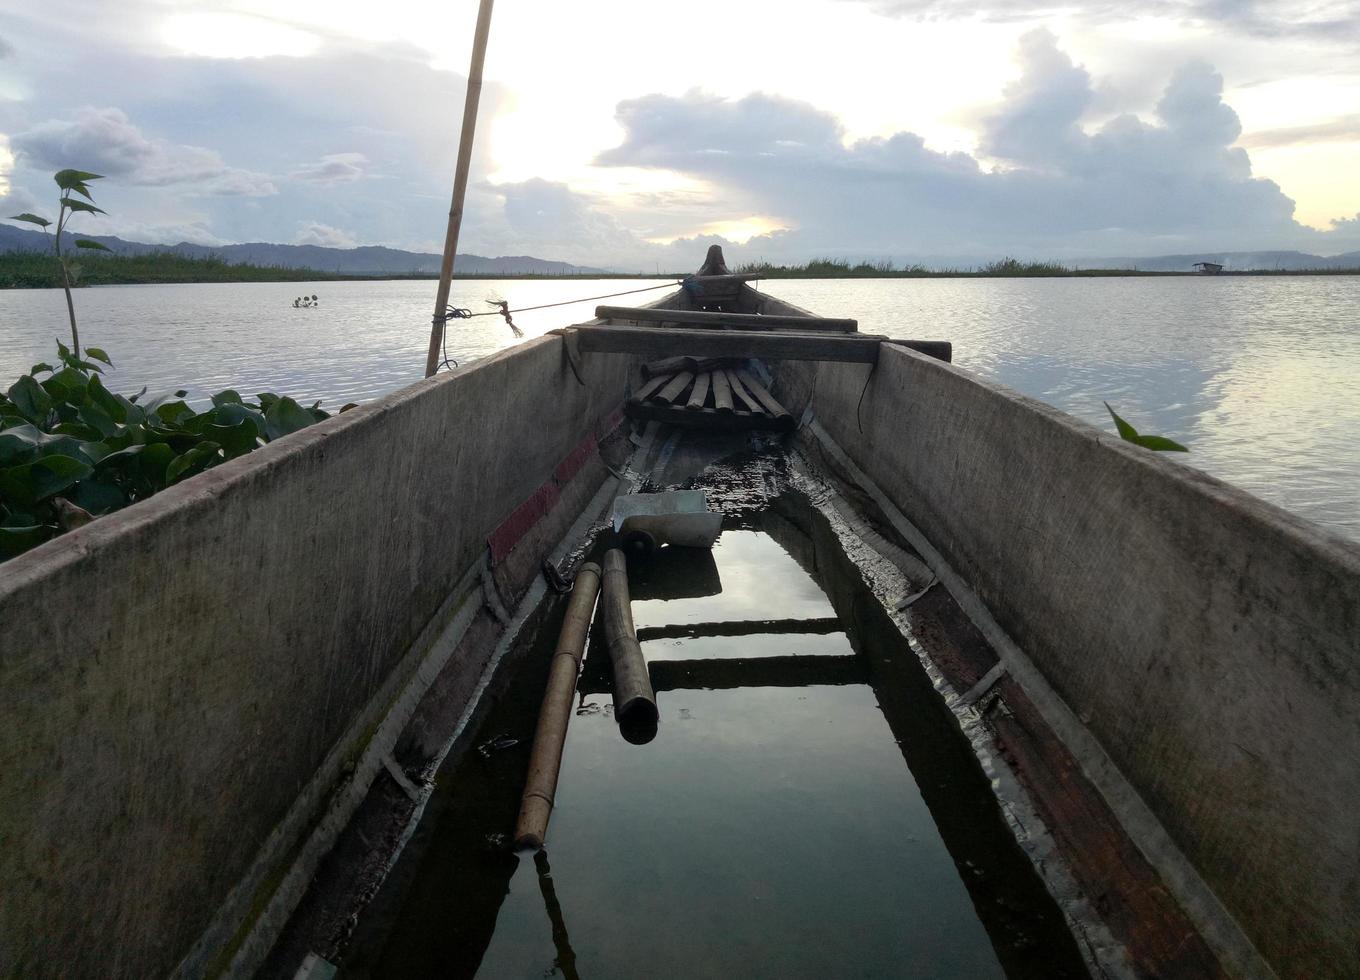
x,y
531,829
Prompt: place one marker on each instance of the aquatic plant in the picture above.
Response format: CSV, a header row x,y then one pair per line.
x,y
1129,434
71,450
69,182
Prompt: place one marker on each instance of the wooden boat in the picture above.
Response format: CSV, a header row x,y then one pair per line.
x,y
216,695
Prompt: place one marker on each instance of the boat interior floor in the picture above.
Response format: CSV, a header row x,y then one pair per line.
x,y
845,779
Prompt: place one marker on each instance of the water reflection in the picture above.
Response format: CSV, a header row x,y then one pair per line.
x,y
1260,377
770,830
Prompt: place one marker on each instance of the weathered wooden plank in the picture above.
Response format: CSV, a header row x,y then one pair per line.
x,y
852,348
651,387
740,321
669,365
722,392
730,279
740,394
941,350
706,417
700,392
754,386
674,388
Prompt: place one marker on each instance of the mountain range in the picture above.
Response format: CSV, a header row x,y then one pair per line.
x,y
366,260
378,260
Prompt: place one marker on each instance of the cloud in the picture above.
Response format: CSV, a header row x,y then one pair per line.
x,y
1345,129
333,168
547,218
169,233
107,142
316,233
1335,21
1055,190
6,49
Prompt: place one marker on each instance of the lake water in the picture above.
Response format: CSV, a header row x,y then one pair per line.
x,y
1260,377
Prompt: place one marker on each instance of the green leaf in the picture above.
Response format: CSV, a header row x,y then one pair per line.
x,y
1126,432
16,540
91,243
74,180
133,414
98,419
235,414
32,219
97,496
67,385
38,368
266,399
1160,444
40,479
72,204
194,461
347,406
175,412
31,399
23,442
235,440
226,397
105,399
98,354
286,416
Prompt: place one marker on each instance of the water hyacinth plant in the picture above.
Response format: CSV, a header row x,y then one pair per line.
x,y
69,182
71,450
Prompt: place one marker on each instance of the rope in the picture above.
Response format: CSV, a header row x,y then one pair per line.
x,y
456,313
503,309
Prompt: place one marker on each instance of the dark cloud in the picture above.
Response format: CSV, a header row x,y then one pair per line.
x,y
1056,189
107,142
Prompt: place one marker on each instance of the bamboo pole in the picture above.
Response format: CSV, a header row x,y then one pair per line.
x,y
546,758
634,701
460,180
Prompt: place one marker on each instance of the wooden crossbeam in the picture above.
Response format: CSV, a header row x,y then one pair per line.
x,y
707,418
663,341
738,321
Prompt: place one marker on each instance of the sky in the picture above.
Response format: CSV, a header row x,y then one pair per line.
x,y
629,135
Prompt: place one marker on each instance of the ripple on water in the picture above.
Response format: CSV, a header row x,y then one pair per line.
x,y
1260,377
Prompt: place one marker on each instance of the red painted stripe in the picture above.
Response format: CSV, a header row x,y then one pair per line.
x,y
575,459
503,540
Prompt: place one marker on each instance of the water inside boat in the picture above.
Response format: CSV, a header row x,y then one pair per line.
x,y
806,806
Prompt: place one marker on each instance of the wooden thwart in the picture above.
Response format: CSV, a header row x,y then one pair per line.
x,y
670,365
662,341
708,417
740,321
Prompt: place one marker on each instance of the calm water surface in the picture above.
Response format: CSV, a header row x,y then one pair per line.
x,y
782,822
1260,377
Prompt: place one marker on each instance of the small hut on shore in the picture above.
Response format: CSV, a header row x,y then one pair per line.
x,y
1208,268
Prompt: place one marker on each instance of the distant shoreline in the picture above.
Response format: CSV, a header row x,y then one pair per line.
x,y
32,270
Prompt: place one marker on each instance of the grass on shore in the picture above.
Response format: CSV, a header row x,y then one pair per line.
x,y
1007,268
39,270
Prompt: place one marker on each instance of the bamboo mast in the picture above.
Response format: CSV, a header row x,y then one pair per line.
x,y
460,179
